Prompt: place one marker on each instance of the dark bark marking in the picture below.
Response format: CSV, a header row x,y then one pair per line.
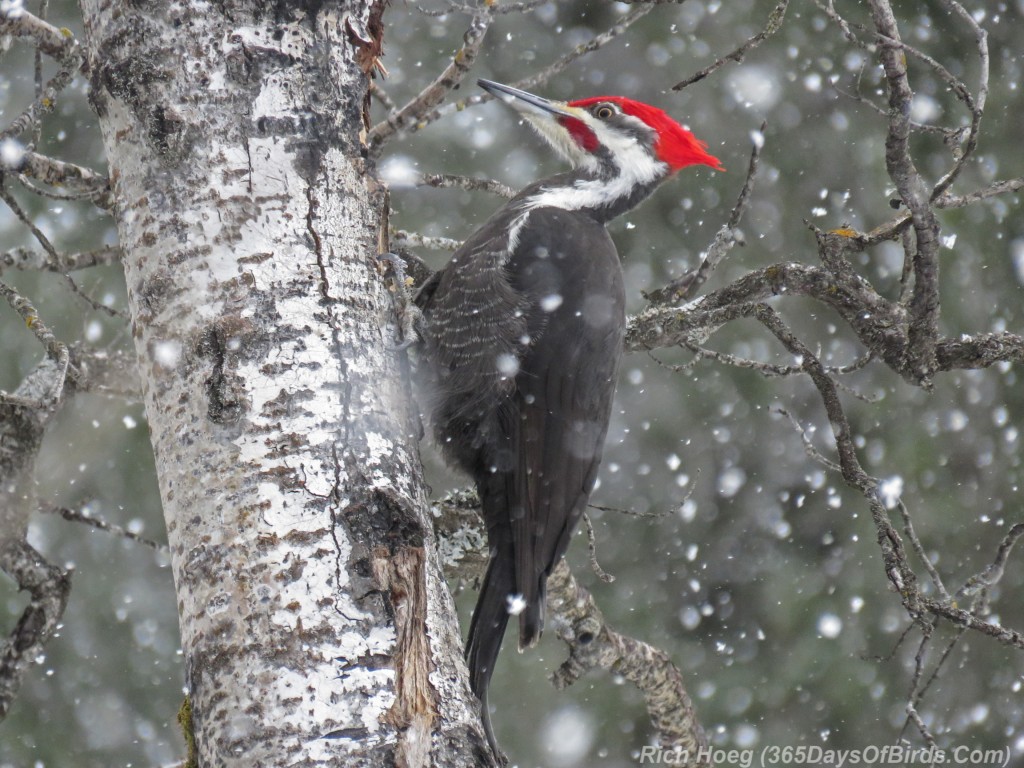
x,y
135,80
224,343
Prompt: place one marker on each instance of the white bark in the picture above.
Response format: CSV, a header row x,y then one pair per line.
x,y
316,625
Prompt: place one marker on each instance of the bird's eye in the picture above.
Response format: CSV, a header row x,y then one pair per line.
x,y
604,111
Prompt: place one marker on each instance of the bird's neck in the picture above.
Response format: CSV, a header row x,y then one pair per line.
x,y
601,194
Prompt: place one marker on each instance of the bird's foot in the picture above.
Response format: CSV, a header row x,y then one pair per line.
x,y
406,312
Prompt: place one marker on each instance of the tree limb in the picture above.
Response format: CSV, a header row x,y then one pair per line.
x,y
580,624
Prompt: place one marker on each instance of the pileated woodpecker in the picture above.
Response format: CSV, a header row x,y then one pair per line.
x,y
522,334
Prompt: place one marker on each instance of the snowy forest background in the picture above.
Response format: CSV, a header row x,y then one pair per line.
x,y
744,558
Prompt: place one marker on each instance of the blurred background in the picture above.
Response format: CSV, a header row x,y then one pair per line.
x,y
750,564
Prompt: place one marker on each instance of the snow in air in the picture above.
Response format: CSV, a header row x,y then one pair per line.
x,y
399,171
551,302
508,365
829,625
94,330
515,604
730,481
890,491
11,153
755,87
167,353
568,736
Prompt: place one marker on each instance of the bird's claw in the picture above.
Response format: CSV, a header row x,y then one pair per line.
x,y
406,312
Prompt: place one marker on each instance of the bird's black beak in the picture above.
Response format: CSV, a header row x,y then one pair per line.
x,y
524,101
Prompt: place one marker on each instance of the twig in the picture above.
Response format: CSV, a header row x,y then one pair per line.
x,y
37,65
594,645
896,225
23,217
915,686
992,190
436,92
598,41
83,182
541,77
382,96
44,241
402,239
994,572
948,133
774,23
725,239
55,349
812,452
451,181
28,259
923,329
595,566
977,108
49,587
58,43
915,543
499,10
84,516
974,104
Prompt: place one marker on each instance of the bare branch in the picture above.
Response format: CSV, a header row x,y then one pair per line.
x,y
594,645
23,420
977,108
773,25
382,96
84,516
402,239
55,349
43,104
923,329
28,259
595,566
725,239
595,43
499,10
992,190
436,92
42,239
916,691
809,448
542,77
994,572
451,181
82,182
915,543
948,133
896,225
580,624
897,567
49,587
107,372
58,43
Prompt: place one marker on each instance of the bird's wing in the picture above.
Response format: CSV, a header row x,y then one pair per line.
x,y
477,307
568,268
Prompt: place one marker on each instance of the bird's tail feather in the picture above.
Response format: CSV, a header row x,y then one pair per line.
x,y
487,629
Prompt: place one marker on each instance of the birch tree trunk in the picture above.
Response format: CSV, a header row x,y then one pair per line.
x,y
316,625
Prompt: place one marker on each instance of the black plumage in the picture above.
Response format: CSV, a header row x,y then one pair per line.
x,y
521,339
522,400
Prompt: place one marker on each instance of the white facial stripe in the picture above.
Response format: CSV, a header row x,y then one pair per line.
x,y
634,160
635,165
636,168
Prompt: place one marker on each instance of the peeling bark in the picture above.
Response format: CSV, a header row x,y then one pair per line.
x,y
316,625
